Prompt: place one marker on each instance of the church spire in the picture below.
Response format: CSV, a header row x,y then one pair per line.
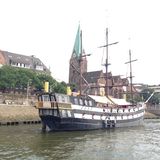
x,y
77,49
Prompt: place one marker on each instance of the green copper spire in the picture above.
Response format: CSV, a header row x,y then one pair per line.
x,y
77,44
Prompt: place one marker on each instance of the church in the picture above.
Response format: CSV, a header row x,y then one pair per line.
x,y
93,82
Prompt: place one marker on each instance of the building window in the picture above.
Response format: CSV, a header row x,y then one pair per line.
x,y
27,66
39,68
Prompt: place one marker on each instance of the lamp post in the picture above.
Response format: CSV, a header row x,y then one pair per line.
x,y
28,83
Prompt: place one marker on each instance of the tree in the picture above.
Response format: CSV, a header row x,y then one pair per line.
x,y
60,87
146,93
7,77
19,78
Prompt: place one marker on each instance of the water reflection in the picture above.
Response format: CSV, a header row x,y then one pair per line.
x,y
27,142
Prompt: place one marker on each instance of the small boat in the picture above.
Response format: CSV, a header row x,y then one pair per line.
x,y
60,112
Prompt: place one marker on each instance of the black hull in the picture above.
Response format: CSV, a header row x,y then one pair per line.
x,y
54,123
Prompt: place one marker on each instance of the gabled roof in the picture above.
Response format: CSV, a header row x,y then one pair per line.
x,y
116,78
92,77
19,58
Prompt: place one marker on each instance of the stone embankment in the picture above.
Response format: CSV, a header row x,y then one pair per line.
x,y
18,114
150,116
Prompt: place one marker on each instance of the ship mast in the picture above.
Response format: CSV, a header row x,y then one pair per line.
x,y
131,77
80,65
106,65
106,62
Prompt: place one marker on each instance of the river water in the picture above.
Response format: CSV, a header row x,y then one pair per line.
x,y
27,142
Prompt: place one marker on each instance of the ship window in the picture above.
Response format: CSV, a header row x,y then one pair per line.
x,y
80,101
62,98
76,101
69,113
64,114
45,97
90,103
86,102
47,112
55,113
52,98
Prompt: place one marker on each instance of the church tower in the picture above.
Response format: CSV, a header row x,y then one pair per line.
x,y
78,62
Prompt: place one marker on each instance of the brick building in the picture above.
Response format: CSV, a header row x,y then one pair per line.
x,y
92,82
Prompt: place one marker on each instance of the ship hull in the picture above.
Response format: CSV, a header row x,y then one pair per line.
x,y
53,123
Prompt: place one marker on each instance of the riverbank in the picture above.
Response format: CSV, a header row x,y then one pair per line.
x,y
22,114
150,116
17,114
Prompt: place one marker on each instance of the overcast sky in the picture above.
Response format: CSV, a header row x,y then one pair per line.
x,y
47,29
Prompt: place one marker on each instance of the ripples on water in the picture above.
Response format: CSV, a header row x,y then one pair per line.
x,y
27,142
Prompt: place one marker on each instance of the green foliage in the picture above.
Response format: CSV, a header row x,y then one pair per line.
x,y
136,98
61,87
146,93
19,78
73,87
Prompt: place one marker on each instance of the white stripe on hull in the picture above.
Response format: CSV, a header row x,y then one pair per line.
x,y
97,117
107,110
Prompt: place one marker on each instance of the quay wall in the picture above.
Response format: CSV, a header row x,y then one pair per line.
x,y
150,116
19,114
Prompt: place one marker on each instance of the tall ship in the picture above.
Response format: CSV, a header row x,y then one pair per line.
x,y
84,111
